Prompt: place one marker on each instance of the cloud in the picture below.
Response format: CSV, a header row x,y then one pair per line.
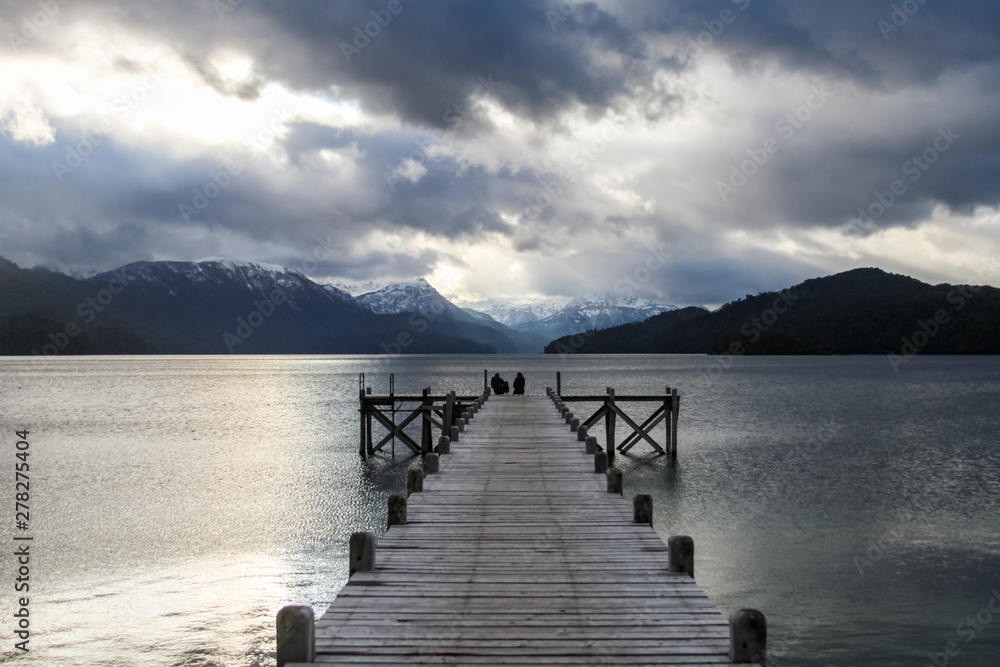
x,y
555,142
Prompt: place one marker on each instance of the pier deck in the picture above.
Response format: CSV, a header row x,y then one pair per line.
x,y
515,553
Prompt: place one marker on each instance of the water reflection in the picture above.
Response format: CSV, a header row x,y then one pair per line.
x,y
182,501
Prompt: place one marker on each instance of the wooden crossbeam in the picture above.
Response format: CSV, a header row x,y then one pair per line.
x,y
596,417
635,427
632,440
396,430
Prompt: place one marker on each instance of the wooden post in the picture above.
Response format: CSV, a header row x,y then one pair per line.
x,y
668,411
590,445
486,384
558,383
601,463
615,481
368,426
392,409
609,426
362,553
453,433
431,463
574,425
444,445
362,450
642,508
676,401
415,480
568,416
747,636
680,554
449,413
397,509
296,634
581,433
425,434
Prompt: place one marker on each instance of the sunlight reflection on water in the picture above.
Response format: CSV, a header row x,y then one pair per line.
x,y
179,502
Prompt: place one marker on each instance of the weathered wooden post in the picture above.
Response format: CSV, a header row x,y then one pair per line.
x,y
568,417
747,636
642,508
362,450
427,406
676,408
558,383
486,384
431,463
415,480
615,481
581,433
444,445
609,425
296,625
680,554
368,426
392,410
362,553
397,510
590,445
668,411
600,463
449,413
453,433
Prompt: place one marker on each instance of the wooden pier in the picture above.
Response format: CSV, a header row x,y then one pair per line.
x,y
515,547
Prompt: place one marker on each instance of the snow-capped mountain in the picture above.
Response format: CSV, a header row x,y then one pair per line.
x,y
258,278
522,312
407,297
426,303
596,312
358,287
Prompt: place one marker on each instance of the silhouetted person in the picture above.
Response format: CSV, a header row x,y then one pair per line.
x,y
519,385
498,384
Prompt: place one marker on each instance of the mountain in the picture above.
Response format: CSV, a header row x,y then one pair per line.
x,y
196,308
426,304
583,314
516,314
36,307
863,311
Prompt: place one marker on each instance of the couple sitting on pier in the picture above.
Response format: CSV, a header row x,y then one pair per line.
x,y
500,385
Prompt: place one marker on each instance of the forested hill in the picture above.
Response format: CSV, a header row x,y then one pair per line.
x,y
863,311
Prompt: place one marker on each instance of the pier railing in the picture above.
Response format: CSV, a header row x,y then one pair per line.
x,y
442,412
668,407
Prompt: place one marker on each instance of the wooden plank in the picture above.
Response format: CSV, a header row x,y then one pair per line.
x,y
514,553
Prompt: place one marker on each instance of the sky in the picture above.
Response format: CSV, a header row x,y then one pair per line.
x,y
689,151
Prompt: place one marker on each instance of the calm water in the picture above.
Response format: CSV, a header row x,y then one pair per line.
x,y
178,502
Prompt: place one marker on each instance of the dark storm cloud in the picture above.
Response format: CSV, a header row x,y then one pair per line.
x,y
541,61
120,198
887,44
428,56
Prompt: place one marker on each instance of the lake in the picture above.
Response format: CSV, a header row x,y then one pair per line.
x,y
176,503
